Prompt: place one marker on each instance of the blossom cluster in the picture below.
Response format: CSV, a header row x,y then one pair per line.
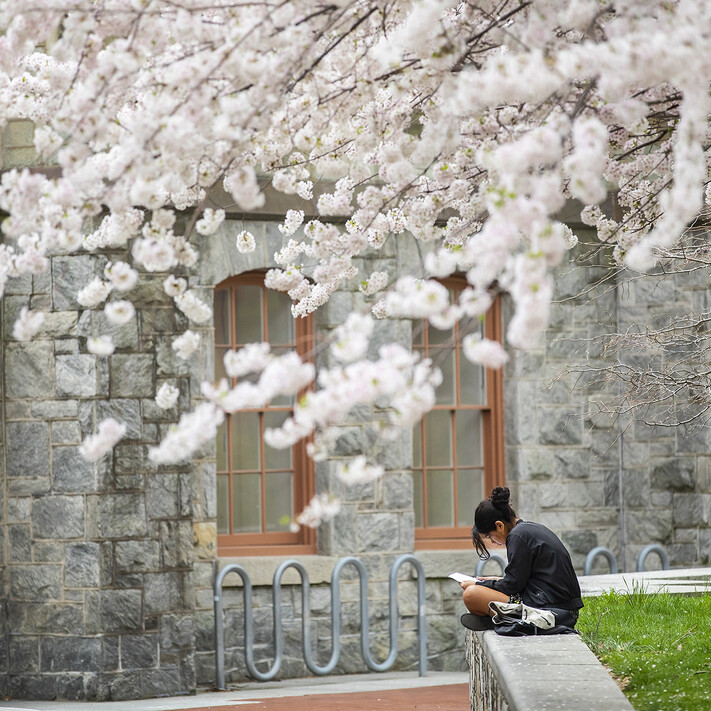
x,y
465,127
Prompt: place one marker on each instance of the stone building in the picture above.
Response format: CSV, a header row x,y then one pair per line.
x,y
107,568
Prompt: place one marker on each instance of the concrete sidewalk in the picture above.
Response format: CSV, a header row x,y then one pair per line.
x,y
391,691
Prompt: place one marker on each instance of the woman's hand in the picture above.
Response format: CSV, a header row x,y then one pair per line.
x,y
468,583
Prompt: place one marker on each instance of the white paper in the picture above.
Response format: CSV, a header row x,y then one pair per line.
x,y
461,578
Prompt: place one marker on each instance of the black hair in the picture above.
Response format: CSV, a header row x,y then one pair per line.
x,y
495,508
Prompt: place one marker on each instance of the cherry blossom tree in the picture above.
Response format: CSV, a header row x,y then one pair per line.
x,y
467,124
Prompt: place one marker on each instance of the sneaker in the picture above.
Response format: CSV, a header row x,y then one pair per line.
x,y
478,623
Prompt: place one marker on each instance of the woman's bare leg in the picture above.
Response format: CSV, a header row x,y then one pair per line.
x,y
477,598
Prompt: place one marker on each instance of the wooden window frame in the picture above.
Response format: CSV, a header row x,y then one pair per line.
x,y
269,542
455,537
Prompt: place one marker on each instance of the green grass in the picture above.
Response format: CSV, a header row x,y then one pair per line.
x,y
657,645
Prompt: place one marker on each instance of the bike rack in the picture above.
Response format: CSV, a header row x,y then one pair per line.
x,y
306,618
652,548
483,561
606,553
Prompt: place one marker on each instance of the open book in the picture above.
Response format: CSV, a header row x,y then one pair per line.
x,y
461,578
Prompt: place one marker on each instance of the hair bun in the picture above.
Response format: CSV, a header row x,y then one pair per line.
x,y
500,497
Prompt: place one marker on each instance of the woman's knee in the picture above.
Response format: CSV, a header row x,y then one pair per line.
x,y
474,599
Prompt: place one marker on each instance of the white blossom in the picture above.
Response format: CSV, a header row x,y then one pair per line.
x,y
97,445
192,431
358,471
174,286
186,344
94,293
121,275
119,312
210,221
320,509
246,242
27,324
167,396
484,351
100,345
193,307
251,358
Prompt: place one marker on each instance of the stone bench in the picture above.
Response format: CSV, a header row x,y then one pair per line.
x,y
542,673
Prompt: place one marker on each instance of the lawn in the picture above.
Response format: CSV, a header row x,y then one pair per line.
x,y
658,646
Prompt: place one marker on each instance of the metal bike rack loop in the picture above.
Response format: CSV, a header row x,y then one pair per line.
x,y
605,553
306,618
483,561
652,548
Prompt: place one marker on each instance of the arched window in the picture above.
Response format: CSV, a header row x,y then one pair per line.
x,y
259,489
458,448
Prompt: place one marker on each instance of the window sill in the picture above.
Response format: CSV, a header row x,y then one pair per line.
x,y
261,569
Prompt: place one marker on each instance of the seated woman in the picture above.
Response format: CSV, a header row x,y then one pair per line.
x,y
539,573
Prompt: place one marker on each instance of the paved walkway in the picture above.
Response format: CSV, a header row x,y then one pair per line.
x,y
391,691
687,581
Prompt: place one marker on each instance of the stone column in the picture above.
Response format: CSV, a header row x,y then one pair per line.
x,y
98,581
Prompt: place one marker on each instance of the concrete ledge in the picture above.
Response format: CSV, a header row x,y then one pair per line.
x,y
555,673
261,569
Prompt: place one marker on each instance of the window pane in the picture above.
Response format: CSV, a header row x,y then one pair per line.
x,y
437,337
276,458
223,504
440,498
417,445
246,503
417,492
220,371
470,491
418,334
223,321
438,438
280,322
245,440
279,495
282,400
472,381
443,358
248,314
222,447
470,452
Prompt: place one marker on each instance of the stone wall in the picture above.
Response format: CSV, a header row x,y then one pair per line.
x,y
565,460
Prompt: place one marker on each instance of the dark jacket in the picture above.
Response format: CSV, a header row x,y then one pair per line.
x,y
539,569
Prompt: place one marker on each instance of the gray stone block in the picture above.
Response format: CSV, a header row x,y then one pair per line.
x,y
58,517
23,655
176,543
81,566
66,432
77,375
28,370
164,592
46,617
559,426
123,410
71,654
47,551
27,447
122,516
69,275
176,632
160,682
377,532
136,556
674,474
18,508
36,582
162,495
579,541
20,546
131,375
572,463
139,651
692,509
54,409
119,611
71,473
35,687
